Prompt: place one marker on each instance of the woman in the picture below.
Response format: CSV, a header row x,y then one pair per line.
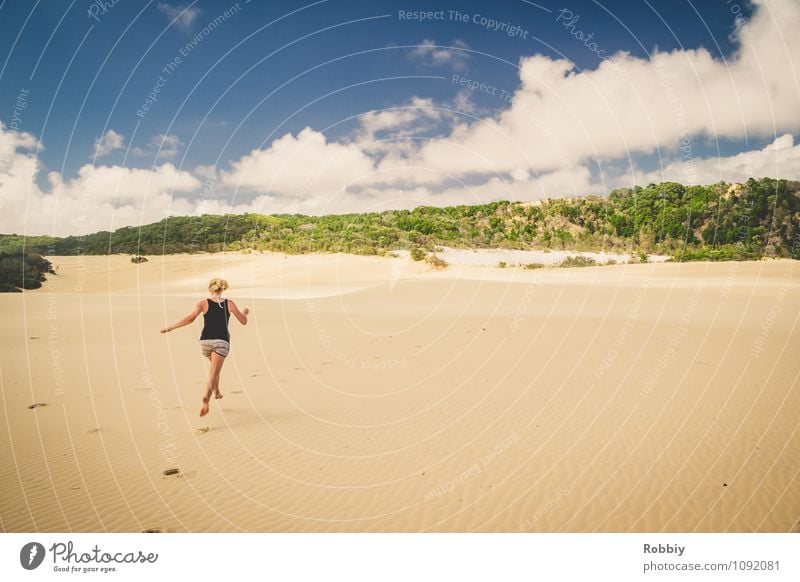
x,y
215,339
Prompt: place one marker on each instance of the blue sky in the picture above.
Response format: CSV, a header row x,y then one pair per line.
x,y
269,69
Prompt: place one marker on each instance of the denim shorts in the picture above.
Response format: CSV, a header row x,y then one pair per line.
x,y
217,346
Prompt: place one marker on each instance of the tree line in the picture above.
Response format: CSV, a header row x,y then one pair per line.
x,y
712,222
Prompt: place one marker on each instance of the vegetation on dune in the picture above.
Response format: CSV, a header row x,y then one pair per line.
x,y
577,261
417,254
715,222
436,261
20,270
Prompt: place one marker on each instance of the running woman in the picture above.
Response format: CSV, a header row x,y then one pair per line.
x,y
215,338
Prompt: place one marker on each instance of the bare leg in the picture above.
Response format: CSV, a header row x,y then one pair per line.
x,y
213,380
204,407
219,361
217,394
206,390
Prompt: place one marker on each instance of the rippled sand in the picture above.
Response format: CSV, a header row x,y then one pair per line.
x,y
376,394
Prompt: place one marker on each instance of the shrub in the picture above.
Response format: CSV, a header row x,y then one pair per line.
x,y
502,265
22,270
611,262
417,254
534,266
577,261
436,261
364,250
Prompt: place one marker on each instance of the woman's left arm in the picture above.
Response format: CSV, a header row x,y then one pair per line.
x,y
240,315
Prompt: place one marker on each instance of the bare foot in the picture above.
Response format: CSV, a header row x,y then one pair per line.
x,y
217,394
204,408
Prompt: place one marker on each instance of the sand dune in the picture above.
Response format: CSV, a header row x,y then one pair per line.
x,y
376,394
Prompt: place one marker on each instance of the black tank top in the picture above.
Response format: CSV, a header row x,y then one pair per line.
x,y
216,321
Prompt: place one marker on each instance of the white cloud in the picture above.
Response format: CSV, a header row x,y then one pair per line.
x,y
10,142
403,119
783,142
463,103
184,17
108,143
393,130
168,145
162,146
18,169
306,165
120,185
779,159
432,55
109,197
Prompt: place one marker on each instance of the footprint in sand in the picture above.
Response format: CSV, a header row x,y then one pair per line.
x,y
94,431
155,530
203,429
172,471
36,405
236,391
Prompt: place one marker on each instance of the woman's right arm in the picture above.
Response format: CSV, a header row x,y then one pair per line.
x,y
198,309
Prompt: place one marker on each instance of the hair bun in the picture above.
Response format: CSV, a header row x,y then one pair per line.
x,y
217,285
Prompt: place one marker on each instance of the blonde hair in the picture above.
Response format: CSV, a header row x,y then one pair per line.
x,y
217,285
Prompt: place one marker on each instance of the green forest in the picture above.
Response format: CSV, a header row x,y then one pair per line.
x,y
713,222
